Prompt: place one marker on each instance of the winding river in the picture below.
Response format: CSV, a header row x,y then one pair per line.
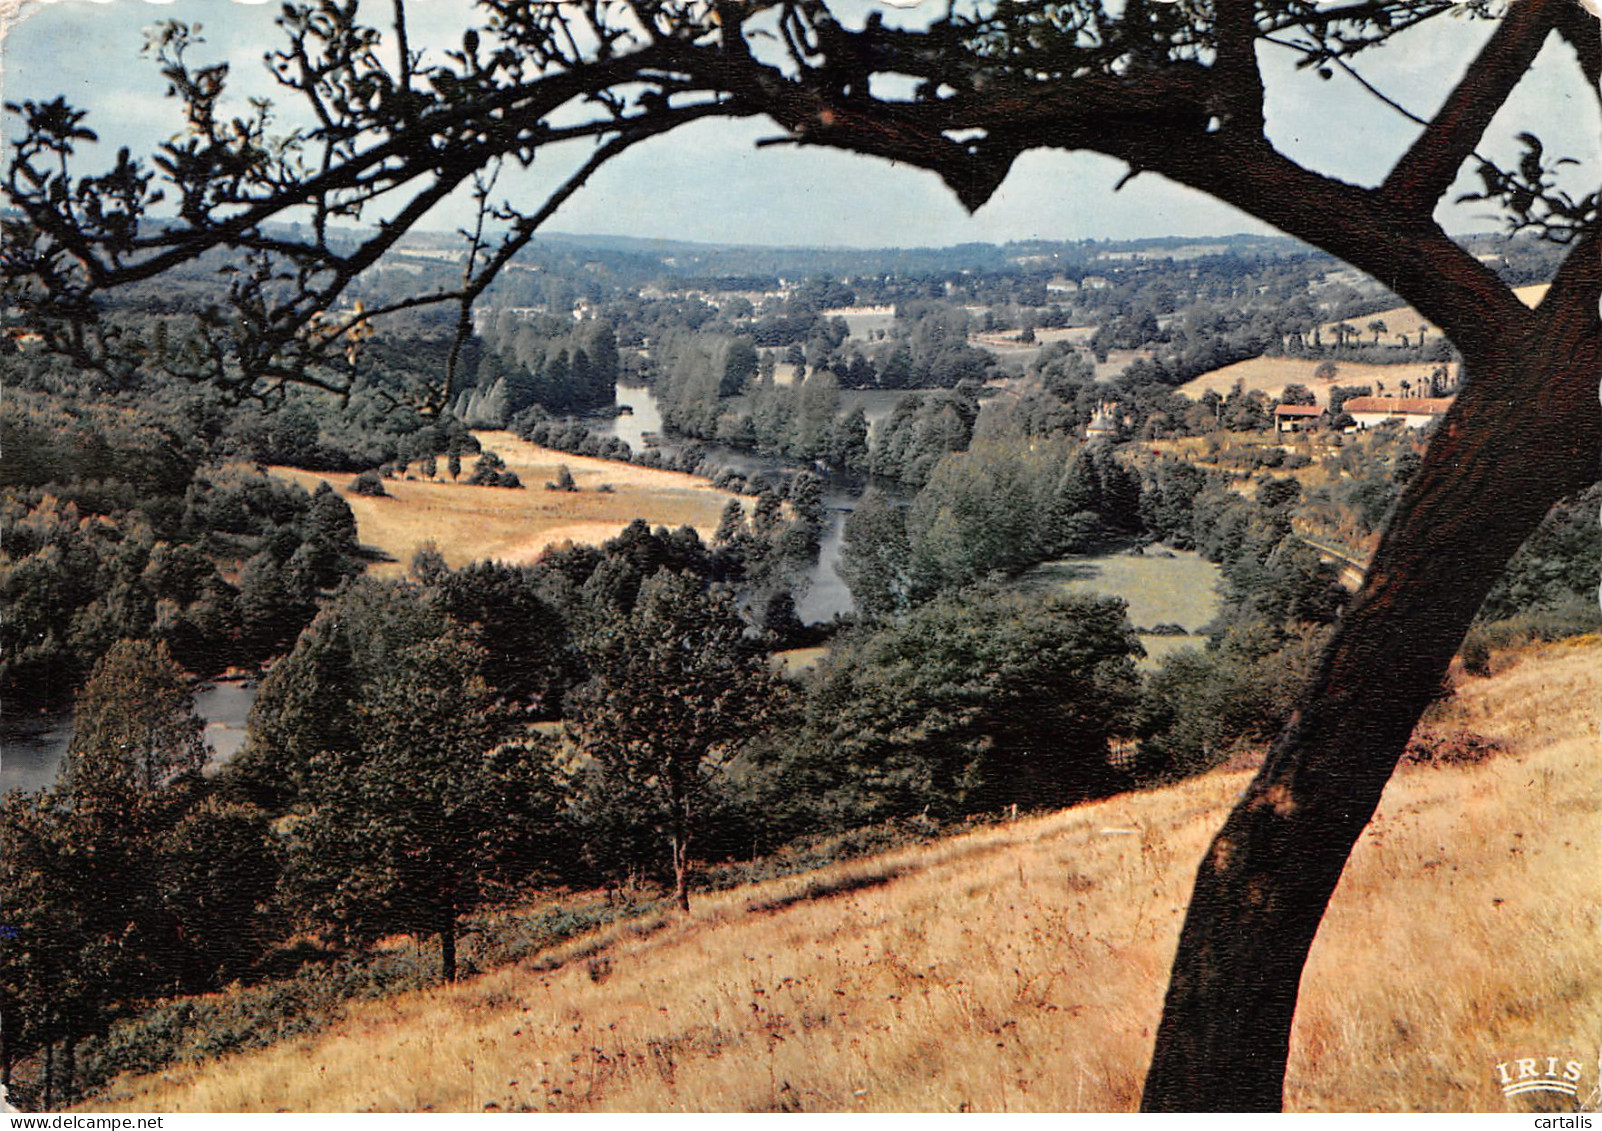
x,y
32,746
825,594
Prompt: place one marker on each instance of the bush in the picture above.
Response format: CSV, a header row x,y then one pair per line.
x,y
1166,628
490,471
1476,653
564,480
370,484
1575,616
1450,748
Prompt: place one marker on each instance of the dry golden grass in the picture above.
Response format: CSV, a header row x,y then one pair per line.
x,y
796,661
1406,320
469,524
1022,967
1270,375
1464,932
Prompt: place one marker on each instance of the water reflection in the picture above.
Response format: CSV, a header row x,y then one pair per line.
x,y
31,750
825,595
33,747
643,418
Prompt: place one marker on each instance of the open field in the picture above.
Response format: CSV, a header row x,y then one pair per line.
x,y
1006,349
1161,587
863,322
1074,335
1233,446
470,524
1022,967
795,662
1270,375
1406,320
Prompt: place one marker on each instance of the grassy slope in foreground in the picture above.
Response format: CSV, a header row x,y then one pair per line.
x,y
469,524
1022,967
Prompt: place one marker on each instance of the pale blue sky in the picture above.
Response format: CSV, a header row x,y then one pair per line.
x,y
710,182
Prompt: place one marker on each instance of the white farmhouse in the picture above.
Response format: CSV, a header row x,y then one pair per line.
x,y
1414,412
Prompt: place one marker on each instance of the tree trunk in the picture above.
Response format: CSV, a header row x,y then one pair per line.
x,y
1523,433
69,1067
47,1090
681,872
447,943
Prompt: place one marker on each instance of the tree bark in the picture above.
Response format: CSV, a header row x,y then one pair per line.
x,y
681,872
69,1067
447,943
1524,432
47,1091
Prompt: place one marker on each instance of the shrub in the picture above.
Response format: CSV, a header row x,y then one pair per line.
x,y
1571,616
490,471
564,480
1450,748
1476,653
369,483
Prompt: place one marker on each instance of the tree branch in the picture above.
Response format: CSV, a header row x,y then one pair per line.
x,y
1583,32
1431,164
1364,227
1235,34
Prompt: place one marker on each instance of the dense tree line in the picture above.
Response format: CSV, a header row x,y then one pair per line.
x,y
998,507
970,704
921,430
547,362
716,388
115,527
1556,565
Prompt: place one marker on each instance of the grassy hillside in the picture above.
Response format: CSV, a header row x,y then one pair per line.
x,y
1406,320
1022,967
469,524
1270,375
